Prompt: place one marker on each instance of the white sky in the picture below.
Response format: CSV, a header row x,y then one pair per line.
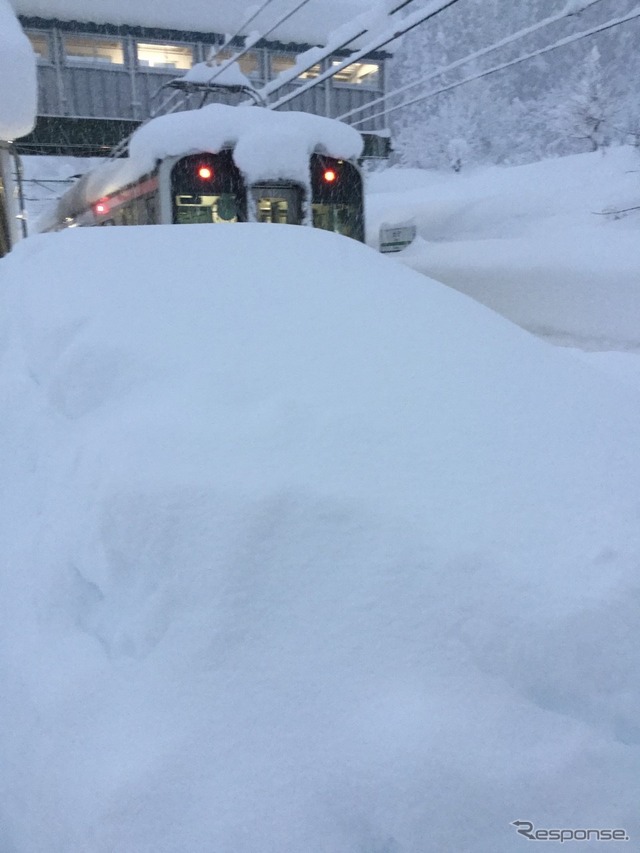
x,y
312,24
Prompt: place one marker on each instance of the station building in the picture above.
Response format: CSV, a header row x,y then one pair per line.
x,y
100,73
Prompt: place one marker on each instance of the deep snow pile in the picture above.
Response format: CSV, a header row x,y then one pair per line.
x,y
541,244
303,552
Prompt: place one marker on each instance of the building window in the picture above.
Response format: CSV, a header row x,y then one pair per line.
x,y
172,57
41,45
284,61
359,74
249,63
87,50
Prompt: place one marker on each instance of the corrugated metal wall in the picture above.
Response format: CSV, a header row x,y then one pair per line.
x,y
129,91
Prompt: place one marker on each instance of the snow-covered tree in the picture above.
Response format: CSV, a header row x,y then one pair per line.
x,y
584,108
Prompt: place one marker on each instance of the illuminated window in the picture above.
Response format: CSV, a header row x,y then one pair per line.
x,y
40,45
284,61
86,50
358,74
249,63
177,57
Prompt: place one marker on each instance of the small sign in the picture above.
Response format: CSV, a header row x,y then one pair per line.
x,y
395,238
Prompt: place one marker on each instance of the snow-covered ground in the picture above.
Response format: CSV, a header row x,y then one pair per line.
x,y
303,551
535,242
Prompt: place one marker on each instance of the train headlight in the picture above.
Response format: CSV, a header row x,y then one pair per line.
x,y
205,173
330,176
101,207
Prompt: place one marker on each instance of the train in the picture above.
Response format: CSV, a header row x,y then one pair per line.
x,y
222,164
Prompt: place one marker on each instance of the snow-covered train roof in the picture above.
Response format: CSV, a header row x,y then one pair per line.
x,y
266,145
18,93
312,24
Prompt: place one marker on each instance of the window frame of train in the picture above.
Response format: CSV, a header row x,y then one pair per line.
x,y
337,196
199,197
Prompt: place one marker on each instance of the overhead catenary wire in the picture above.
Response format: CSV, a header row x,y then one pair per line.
x,y
286,77
505,42
242,28
173,103
250,42
434,8
607,25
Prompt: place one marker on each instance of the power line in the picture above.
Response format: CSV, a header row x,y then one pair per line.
x,y
478,55
322,53
614,22
242,28
250,42
409,23
172,104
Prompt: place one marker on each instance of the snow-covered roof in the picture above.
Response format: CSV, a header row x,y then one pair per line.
x,y
18,93
266,145
312,24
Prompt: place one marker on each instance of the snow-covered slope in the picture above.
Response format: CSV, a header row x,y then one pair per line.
x,y
535,242
301,551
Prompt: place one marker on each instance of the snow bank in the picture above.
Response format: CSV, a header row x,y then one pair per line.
x,y
313,23
300,551
18,93
534,242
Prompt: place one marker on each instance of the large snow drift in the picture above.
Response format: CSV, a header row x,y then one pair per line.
x,y
301,551
18,92
552,245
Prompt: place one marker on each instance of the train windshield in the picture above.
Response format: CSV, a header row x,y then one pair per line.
x,y
207,188
337,196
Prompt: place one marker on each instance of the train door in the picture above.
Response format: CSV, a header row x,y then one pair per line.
x,y
277,202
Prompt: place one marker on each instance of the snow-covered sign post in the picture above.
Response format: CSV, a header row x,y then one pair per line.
x,y
18,99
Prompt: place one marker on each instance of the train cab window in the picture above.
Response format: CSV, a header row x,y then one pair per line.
x,y
206,208
208,188
277,203
165,56
89,50
337,197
